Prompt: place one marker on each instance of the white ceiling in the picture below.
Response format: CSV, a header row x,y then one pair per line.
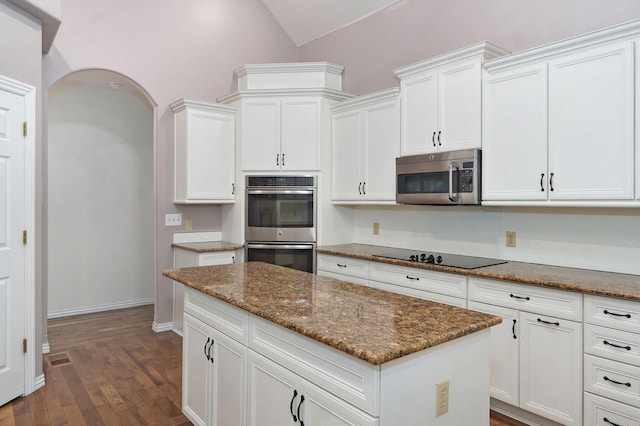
x,y
307,20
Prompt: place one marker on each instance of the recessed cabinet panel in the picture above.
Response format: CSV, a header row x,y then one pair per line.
x,y
347,146
514,147
261,134
419,114
300,143
591,124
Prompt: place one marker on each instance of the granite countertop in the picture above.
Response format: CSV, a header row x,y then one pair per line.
x,y
373,325
601,283
208,246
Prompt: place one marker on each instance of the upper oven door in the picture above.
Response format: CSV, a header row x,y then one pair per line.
x,y
280,215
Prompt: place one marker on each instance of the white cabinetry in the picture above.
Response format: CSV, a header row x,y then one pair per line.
x,y
536,351
441,100
214,364
612,361
204,152
559,124
365,143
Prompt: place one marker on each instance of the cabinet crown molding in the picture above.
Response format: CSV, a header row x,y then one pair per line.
x,y
483,50
621,32
183,103
331,94
290,75
369,98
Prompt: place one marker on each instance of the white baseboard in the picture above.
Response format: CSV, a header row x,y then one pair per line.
x,y
39,382
520,415
160,328
46,348
99,308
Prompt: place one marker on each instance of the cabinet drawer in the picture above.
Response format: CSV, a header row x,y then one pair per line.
x,y
343,265
544,301
219,258
612,344
343,375
599,411
420,294
420,279
349,278
232,321
612,379
615,313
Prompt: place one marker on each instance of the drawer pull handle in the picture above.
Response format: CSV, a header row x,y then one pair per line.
x,y
627,384
548,322
413,278
606,420
617,346
300,405
295,393
616,314
520,297
340,265
513,329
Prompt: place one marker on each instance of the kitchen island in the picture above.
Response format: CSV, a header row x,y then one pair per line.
x,y
300,348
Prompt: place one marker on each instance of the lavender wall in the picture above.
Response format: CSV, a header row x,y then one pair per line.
x,y
413,30
172,49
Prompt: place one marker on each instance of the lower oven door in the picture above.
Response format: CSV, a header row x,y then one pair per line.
x,y
300,256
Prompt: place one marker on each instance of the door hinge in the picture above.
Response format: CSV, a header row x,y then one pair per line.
x,y
24,129
24,346
24,237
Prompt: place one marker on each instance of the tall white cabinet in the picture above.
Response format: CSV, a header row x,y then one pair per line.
x,y
441,100
559,123
204,152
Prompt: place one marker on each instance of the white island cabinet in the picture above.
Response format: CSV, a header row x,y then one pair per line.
x,y
249,366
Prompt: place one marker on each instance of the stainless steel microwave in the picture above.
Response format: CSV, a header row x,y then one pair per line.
x,y
444,178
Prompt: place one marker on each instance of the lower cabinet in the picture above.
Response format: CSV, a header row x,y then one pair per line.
x,y
213,376
279,397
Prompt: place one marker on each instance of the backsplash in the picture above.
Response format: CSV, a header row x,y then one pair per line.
x,y
601,239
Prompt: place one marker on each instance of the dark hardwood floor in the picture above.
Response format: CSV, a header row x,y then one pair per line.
x,y
111,369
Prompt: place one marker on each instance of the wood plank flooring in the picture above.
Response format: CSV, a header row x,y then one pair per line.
x,y
110,368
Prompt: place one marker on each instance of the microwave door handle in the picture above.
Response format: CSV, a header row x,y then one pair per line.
x,y
452,198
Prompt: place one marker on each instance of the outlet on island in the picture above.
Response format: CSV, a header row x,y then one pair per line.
x,y
442,398
511,238
376,228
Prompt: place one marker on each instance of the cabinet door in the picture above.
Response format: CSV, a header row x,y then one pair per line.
x,y
196,370
505,357
229,361
591,124
261,134
418,107
514,143
300,136
320,408
459,106
381,147
346,181
551,368
274,396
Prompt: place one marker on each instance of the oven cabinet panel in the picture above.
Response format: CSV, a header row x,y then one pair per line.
x,y
365,143
279,397
505,352
591,124
214,376
280,133
204,152
514,143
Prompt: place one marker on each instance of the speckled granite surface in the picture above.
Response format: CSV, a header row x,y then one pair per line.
x,y
625,286
208,246
373,325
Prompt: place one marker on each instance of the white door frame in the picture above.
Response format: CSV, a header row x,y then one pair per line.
x,y
29,94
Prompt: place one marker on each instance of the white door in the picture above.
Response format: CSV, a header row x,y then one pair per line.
x,y
300,134
12,251
346,177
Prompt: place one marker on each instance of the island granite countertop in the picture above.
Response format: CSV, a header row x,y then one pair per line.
x,y
626,286
373,325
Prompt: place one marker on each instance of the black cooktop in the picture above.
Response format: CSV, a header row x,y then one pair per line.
x,y
442,259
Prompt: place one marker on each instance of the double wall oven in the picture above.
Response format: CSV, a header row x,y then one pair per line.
x,y
280,222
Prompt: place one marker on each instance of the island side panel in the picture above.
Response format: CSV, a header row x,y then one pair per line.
x,y
408,393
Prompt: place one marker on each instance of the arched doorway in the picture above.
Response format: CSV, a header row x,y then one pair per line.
x,y
100,194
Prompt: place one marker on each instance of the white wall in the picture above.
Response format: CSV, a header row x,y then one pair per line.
x,y
100,240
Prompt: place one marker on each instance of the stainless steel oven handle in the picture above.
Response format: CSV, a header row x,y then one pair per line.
x,y
452,198
279,192
281,246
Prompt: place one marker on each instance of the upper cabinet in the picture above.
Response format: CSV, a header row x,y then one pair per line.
x,y
365,142
441,100
204,152
283,112
559,123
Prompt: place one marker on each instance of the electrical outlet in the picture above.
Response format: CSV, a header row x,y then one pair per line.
x,y
511,238
174,219
376,228
442,398
188,225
